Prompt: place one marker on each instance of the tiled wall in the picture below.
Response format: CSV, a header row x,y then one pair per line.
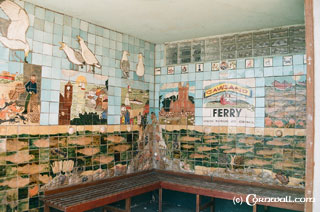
x,y
73,116
48,28
100,128
243,117
37,158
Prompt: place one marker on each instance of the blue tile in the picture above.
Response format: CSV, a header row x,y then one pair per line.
x,y
39,13
111,110
240,73
232,74
170,78
38,35
118,101
29,8
55,41
48,38
54,107
269,81
199,94
65,64
75,23
260,102
55,84
44,119
199,85
49,16
44,107
117,110
56,62
258,72
117,119
260,82
45,95
15,67
46,84
268,71
92,28
192,76
277,71
259,122
258,62
163,79
215,75
207,67
223,74
57,29
84,35
99,31
58,18
47,60
177,70
260,92
241,64
198,103
67,20
259,112
36,59
198,120
55,96
56,73
277,61
199,76
177,78
48,27
198,111
37,47
53,119
297,59
207,75
299,69
287,70
67,31
30,33
111,119
192,68
111,100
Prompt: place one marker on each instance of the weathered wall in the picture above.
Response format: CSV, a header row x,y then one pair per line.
x,y
247,105
72,128
230,106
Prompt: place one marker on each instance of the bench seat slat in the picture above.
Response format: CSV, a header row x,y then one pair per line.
x,y
72,200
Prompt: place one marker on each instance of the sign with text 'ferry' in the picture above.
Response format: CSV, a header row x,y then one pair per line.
x,y
229,103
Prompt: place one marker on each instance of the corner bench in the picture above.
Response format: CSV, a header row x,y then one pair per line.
x,y
91,195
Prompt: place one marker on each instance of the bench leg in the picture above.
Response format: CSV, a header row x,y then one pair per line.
x,y
265,208
46,208
254,208
128,205
160,199
209,204
198,203
212,206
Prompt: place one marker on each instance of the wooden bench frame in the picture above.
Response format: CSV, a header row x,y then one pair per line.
x,y
162,183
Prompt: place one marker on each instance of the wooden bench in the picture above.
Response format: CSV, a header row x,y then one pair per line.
x,y
87,196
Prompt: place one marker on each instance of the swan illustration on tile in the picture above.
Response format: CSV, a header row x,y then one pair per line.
x,y
125,64
74,56
90,59
13,30
140,66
